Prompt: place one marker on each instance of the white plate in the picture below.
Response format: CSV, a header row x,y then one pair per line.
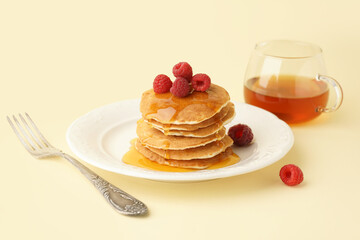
x,y
102,136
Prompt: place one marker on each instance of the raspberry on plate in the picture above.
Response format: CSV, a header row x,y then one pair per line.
x,y
201,82
184,70
180,87
241,134
291,175
162,84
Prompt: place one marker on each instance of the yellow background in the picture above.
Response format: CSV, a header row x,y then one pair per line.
x,y
61,59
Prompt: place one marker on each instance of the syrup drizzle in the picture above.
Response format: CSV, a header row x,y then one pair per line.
x,y
134,158
168,107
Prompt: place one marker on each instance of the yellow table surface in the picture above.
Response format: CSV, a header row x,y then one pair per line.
x,y
59,60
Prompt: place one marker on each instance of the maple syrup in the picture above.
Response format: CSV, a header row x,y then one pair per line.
x,y
167,107
134,158
292,98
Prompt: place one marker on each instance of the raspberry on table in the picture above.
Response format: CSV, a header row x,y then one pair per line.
x,y
241,134
201,82
184,70
162,84
180,87
291,175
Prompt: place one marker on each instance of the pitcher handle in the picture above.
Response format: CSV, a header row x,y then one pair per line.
x,y
338,91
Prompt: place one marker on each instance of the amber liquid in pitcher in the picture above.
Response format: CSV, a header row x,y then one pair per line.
x,y
293,99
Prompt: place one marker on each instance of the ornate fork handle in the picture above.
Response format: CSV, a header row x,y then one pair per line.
x,y
120,200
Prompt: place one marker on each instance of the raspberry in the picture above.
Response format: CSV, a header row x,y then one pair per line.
x,y
184,70
201,82
180,87
162,84
241,134
291,175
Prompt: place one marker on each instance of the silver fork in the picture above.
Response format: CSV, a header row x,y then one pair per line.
x,y
36,144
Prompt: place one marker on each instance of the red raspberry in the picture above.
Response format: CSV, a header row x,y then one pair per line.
x,y
201,82
180,88
241,134
291,175
184,70
162,84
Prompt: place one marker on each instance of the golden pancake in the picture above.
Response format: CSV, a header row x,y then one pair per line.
x,y
201,132
152,137
225,115
194,163
206,151
192,109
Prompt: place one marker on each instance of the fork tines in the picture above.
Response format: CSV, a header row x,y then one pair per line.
x,y
28,134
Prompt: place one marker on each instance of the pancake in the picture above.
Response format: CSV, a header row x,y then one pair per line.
x,y
225,115
201,132
192,109
206,151
152,137
185,132
194,163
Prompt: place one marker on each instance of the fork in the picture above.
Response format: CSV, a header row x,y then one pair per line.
x,y
36,144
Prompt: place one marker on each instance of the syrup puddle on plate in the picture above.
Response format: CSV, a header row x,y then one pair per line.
x,y
134,158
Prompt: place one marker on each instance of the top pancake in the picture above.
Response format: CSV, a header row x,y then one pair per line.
x,y
192,109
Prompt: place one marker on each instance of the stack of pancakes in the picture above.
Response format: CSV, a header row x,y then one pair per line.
x,y
185,132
